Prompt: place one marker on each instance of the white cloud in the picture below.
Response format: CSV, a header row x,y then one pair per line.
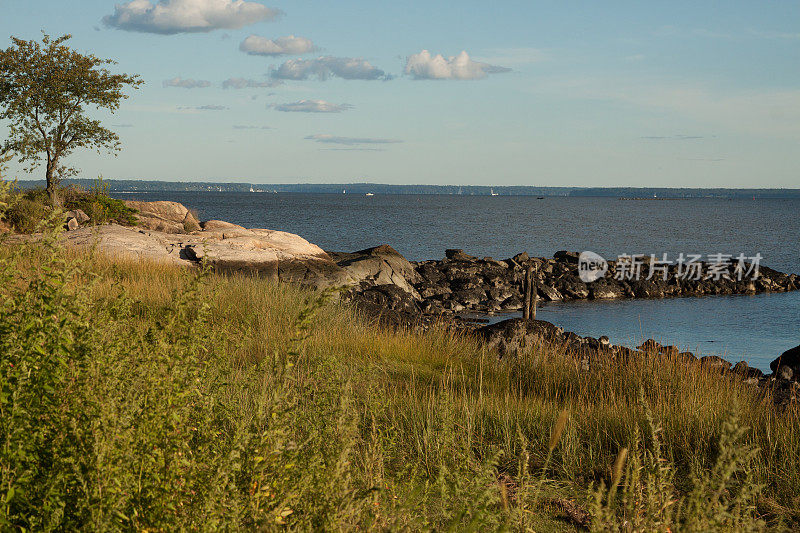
x,y
244,83
187,16
312,106
424,66
291,45
350,141
186,84
348,68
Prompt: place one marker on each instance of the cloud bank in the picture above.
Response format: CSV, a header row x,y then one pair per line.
x,y
350,141
261,46
244,83
186,84
424,66
348,68
312,106
168,17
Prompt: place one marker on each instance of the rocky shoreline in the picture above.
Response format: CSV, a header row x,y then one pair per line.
x,y
382,284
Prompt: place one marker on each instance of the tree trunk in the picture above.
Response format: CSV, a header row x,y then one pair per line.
x,y
52,184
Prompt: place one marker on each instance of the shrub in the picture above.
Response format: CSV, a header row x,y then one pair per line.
x,y
96,203
26,215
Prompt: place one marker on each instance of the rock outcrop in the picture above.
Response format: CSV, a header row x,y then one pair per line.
x,y
166,217
274,254
382,265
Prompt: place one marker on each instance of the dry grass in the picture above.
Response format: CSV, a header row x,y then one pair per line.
x,y
426,406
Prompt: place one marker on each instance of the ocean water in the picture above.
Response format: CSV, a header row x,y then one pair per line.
x,y
751,328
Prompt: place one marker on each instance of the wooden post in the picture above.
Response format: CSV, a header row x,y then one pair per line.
x,y
535,295
526,306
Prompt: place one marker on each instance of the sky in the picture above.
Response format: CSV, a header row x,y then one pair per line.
x,y
657,94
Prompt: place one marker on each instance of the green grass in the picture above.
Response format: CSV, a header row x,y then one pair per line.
x,y
139,396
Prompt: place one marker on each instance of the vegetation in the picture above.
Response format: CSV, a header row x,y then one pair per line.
x,y
29,209
44,90
140,396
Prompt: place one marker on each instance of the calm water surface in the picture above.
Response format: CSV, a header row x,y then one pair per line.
x,y
753,328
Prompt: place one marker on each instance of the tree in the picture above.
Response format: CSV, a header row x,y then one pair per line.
x,y
45,89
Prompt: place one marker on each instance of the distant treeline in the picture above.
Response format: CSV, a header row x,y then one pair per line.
x,y
119,186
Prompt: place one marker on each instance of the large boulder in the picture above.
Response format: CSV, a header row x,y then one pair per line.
x,y
381,265
166,217
275,254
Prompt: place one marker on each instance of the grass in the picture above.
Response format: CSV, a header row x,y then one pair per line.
x,y
141,396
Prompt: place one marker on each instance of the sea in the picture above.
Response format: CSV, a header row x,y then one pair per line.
x,y
753,328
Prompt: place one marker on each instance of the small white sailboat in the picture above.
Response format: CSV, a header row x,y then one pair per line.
x,y
491,191
369,194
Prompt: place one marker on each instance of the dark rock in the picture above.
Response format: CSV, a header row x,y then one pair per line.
x,y
521,258
566,257
509,337
573,287
746,371
715,362
390,297
604,289
790,357
549,293
456,254
650,346
513,303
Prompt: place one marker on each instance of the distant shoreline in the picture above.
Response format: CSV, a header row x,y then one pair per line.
x,y
362,189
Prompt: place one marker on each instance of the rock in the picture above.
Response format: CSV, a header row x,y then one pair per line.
x,y
380,265
78,215
72,224
274,254
650,346
746,371
715,362
566,257
790,357
214,225
603,289
549,293
784,372
456,254
573,287
511,336
521,258
166,217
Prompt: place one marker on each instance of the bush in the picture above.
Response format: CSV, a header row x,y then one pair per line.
x,y
96,203
26,215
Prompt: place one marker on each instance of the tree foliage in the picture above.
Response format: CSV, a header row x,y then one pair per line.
x,y
46,89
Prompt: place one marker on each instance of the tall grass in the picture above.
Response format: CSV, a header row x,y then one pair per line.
x,y
140,396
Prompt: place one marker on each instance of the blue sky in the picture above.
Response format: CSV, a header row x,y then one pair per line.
x,y
548,93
